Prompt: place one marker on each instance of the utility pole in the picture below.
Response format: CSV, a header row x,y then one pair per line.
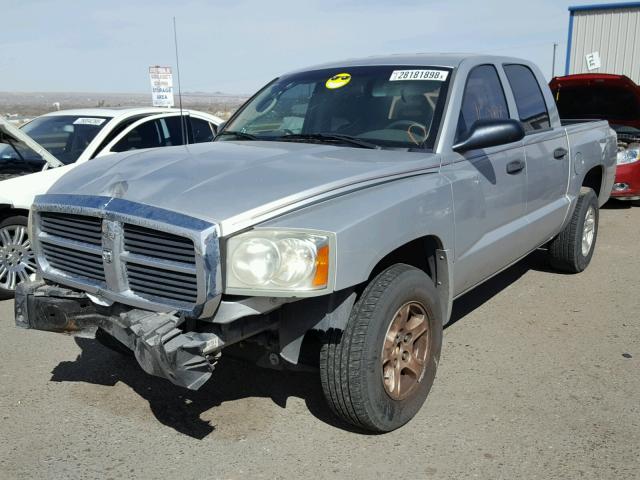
x,y
553,64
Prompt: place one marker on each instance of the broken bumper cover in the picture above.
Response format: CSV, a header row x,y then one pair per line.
x,y
161,348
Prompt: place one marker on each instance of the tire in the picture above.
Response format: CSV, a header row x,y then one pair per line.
x,y
351,361
17,262
566,251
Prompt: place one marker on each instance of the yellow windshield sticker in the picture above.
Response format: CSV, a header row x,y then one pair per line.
x,y
338,81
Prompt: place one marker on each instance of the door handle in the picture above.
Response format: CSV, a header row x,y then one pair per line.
x,y
560,153
515,167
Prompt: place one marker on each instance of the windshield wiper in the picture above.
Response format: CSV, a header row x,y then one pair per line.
x,y
331,137
243,135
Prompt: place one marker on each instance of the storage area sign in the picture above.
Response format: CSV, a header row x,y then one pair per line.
x,y
161,86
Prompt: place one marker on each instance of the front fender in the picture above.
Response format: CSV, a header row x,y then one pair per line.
x,y
373,222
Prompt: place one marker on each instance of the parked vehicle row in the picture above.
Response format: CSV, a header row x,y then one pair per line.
x,y
75,137
348,203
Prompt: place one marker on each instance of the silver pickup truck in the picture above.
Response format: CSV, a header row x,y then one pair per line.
x,y
339,212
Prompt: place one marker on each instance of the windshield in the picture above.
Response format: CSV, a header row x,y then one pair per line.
x,y
64,136
381,106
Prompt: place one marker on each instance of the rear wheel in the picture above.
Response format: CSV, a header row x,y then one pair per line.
x,y
572,249
377,373
17,262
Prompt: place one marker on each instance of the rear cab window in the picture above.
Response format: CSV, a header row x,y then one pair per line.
x,y
532,109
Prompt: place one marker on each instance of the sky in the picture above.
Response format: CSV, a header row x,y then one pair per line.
x,y
236,47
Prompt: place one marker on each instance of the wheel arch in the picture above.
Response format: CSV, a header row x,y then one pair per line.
x,y
7,210
594,179
426,253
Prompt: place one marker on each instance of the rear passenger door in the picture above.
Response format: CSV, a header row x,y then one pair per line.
x,y
489,195
547,156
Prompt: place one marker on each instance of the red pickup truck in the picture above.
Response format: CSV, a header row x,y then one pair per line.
x,y
615,98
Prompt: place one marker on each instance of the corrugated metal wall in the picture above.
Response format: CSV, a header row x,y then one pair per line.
x,y
614,33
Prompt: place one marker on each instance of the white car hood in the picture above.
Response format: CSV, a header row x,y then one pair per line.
x,y
19,192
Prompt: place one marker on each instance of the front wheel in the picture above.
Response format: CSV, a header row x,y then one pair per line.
x,y
572,249
377,373
17,262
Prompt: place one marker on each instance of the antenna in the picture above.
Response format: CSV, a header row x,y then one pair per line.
x,y
182,120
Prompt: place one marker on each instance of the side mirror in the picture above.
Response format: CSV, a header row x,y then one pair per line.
x,y
489,133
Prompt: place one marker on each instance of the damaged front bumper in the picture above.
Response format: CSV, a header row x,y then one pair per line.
x,y
160,342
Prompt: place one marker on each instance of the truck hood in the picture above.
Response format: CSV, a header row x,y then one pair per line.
x,y
239,183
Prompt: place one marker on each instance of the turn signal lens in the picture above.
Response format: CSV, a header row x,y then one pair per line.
x,y
321,278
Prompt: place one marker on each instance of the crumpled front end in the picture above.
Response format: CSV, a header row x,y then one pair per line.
x,y
136,272
164,343
160,346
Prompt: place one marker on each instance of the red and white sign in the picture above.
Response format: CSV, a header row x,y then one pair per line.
x,y
161,86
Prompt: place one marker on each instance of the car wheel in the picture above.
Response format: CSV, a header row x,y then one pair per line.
x,y
17,261
572,249
377,373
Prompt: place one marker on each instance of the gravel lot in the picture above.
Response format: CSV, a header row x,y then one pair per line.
x,y
539,378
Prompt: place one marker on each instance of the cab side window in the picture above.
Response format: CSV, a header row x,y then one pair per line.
x,y
145,135
483,99
161,132
532,108
202,130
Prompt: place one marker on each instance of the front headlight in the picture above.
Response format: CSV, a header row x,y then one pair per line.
x,y
278,261
629,155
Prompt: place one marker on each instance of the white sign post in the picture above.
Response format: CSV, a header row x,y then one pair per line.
x,y
161,86
593,60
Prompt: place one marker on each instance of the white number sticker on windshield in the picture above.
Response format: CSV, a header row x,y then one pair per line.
x,y
89,121
438,75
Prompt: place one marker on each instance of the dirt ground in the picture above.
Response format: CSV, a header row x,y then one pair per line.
x,y
539,379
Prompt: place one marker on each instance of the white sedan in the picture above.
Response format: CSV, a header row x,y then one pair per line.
x,y
75,137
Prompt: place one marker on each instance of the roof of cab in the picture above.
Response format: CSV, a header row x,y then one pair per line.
x,y
447,60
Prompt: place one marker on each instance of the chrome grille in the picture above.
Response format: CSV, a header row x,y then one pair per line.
x,y
158,282
172,274
164,246
128,252
74,262
157,266
78,228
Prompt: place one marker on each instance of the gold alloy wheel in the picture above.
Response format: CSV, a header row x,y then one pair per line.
x,y
405,350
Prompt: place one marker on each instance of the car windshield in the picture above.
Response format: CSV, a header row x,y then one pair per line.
x,y
370,107
64,136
